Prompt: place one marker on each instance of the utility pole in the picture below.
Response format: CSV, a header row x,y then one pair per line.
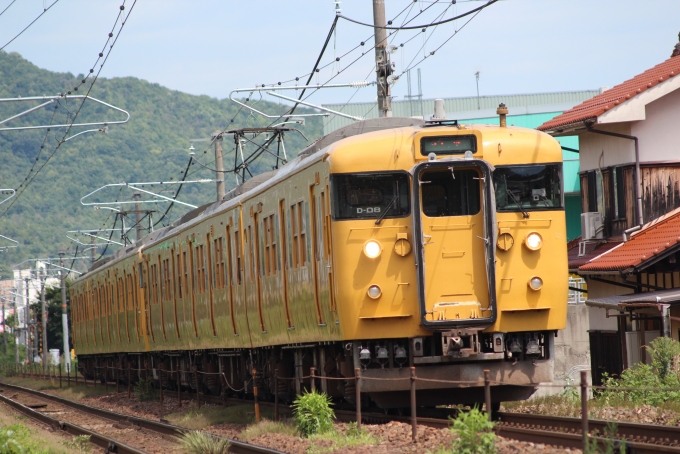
x,y
383,66
219,164
43,301
64,313
4,327
477,77
29,342
93,250
138,215
15,331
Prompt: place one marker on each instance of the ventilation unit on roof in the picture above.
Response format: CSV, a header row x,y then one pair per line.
x,y
591,226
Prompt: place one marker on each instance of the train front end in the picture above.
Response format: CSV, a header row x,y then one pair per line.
x,y
454,241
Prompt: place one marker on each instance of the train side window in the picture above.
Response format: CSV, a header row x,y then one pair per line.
x,y
229,268
185,268
302,225
267,246
251,251
294,234
272,243
168,280
179,275
200,269
219,263
237,248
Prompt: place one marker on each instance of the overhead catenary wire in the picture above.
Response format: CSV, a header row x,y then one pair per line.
x,y
415,27
104,54
7,7
29,25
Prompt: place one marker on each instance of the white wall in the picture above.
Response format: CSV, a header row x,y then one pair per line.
x,y
603,151
659,134
598,317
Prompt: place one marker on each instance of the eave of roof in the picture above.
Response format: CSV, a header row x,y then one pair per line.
x,y
654,241
610,99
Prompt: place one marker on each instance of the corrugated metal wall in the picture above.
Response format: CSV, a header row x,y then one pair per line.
x,y
484,105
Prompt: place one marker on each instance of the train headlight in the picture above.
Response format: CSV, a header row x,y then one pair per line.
x,y
374,292
535,283
372,249
533,241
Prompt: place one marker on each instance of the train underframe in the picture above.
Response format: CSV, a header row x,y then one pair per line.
x,y
444,375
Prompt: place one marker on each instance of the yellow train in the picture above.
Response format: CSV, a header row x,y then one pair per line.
x,y
387,244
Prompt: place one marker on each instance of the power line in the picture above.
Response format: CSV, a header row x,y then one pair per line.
x,y
29,25
432,24
105,57
3,11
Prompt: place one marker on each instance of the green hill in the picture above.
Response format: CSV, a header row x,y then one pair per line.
x,y
152,146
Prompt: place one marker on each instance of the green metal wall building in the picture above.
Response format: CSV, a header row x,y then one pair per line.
x,y
528,110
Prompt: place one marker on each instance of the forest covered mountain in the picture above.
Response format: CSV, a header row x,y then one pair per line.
x,y
152,146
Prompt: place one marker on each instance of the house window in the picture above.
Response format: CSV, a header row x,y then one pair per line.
x,y
618,193
595,198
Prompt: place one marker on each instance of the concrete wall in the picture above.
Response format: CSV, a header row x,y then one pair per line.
x,y
598,151
598,317
572,351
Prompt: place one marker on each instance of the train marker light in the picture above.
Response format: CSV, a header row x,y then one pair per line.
x,y
402,247
505,241
535,283
372,249
533,241
374,292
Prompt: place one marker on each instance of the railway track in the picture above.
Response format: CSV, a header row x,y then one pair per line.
x,y
105,428
551,430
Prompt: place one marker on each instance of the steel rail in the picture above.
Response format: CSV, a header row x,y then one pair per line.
x,y
108,443
235,446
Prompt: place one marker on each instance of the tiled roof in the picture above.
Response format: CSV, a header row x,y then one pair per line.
x,y
592,250
601,103
655,237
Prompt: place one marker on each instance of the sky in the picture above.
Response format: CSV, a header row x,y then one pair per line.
x,y
210,47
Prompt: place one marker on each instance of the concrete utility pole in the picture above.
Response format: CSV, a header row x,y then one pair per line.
x,y
138,215
93,250
64,313
4,327
15,330
27,310
382,59
43,301
219,164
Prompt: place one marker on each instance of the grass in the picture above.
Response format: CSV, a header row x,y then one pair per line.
x,y
336,439
197,442
195,418
267,426
72,393
567,406
32,440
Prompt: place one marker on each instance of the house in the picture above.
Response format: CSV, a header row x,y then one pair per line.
x,y
629,143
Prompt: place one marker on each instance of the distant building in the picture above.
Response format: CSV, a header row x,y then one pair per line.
x,y
527,110
629,253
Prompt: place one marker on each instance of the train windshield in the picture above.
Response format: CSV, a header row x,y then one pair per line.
x,y
370,195
529,187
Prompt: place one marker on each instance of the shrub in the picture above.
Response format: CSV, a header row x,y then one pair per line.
x,y
656,377
313,414
144,390
197,442
475,433
80,443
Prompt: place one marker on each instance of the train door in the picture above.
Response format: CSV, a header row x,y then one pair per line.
x,y
210,269
176,283
256,266
315,259
454,218
284,261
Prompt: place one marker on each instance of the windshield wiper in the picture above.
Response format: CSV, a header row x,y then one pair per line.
x,y
384,213
519,205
